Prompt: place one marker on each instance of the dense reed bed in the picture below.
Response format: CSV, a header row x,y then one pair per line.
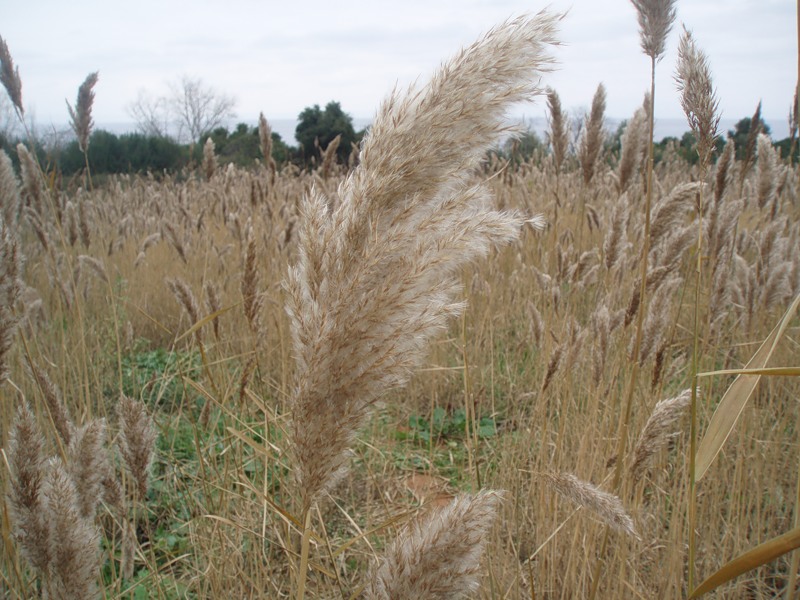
x,y
172,430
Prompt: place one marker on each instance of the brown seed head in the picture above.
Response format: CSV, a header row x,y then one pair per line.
x,y
81,115
655,22
9,76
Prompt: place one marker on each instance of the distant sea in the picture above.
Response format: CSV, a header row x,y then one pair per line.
x,y
663,127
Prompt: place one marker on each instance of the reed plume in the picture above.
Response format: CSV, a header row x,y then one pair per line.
x,y
136,442
607,507
699,103
74,540
634,139
88,465
9,191
252,300
10,265
56,408
375,276
28,518
209,159
265,140
32,184
658,430
593,136
437,556
9,77
698,97
558,136
81,115
750,146
655,22
766,169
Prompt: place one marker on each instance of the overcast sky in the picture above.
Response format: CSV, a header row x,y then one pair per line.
x,y
279,57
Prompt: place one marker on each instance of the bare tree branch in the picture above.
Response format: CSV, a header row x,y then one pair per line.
x,y
199,108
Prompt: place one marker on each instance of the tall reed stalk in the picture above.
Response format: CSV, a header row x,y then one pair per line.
x,y
81,118
656,18
699,103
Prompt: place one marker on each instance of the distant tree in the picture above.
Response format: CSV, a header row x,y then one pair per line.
x,y
151,114
128,153
194,107
198,107
742,134
523,147
324,125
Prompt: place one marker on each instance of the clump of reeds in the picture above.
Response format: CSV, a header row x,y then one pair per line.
x,y
47,507
436,556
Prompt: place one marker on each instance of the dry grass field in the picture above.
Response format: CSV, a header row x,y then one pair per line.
x,y
335,383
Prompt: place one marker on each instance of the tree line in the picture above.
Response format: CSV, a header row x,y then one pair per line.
x,y
156,151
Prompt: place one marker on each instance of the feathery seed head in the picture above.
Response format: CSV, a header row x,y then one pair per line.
x,y
9,76
375,279
437,556
655,22
74,541
607,507
81,115
26,459
698,97
137,441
